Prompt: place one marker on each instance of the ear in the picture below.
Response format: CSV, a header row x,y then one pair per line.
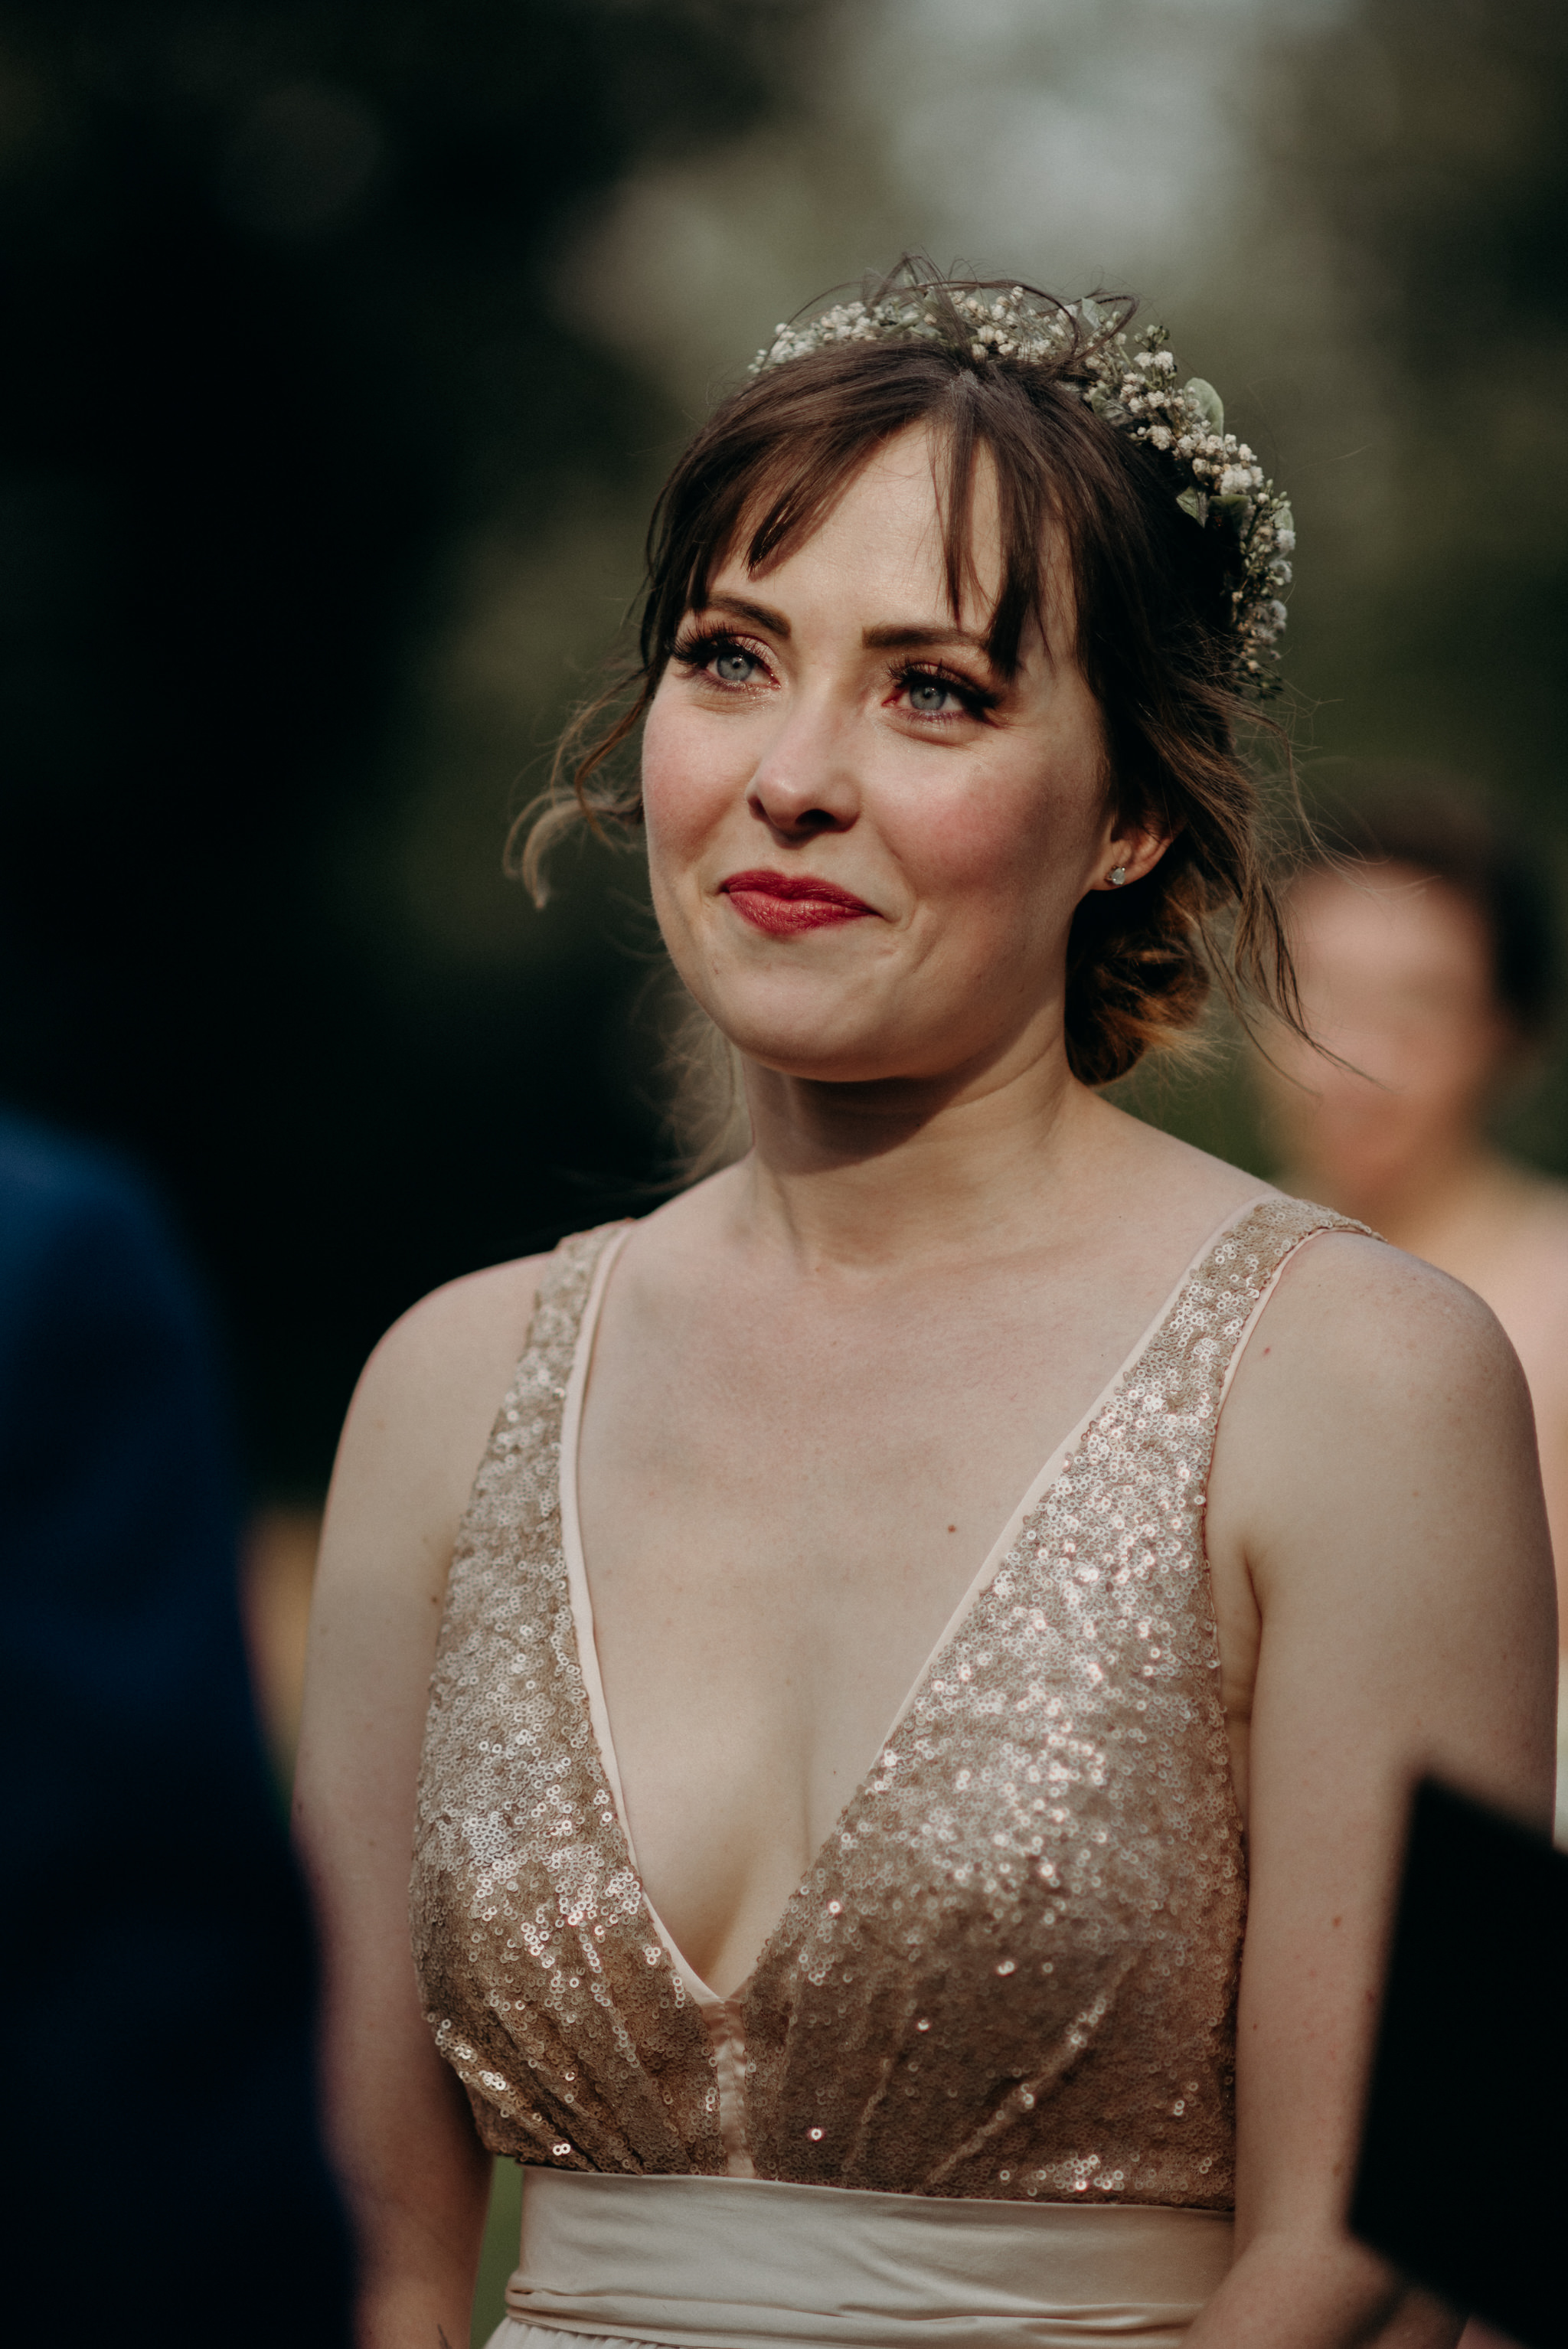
x,y
1130,849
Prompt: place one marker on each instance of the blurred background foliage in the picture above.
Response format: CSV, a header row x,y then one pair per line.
x,y
346,347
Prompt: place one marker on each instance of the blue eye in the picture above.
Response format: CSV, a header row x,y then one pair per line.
x,y
928,693
722,659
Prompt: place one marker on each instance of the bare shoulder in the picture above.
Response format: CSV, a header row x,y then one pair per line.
x,y
1349,1307
456,1345
1368,1363
1542,1240
1376,1485
1548,1196
1379,1422
1369,1373
422,1414
411,1445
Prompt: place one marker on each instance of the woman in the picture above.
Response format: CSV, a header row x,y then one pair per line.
x,y
808,2029
1426,959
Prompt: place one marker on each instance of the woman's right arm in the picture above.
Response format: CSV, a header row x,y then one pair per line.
x,y
398,2125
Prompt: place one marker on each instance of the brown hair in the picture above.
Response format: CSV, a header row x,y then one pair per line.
x,y
1154,593
1435,824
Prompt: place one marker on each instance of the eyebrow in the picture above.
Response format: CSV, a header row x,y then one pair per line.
x,y
763,615
896,635
904,635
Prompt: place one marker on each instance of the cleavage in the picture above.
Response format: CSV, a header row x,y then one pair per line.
x,y
773,1542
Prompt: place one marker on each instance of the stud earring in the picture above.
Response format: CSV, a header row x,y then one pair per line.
x,y
1117,876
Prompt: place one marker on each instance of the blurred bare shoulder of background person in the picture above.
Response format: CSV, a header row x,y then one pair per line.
x,y
1425,946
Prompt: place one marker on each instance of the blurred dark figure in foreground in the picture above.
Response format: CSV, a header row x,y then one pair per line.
x,y
1424,942
158,2060
1463,2173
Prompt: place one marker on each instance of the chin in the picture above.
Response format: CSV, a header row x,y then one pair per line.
x,y
821,1042
815,1059
790,1021
851,1056
866,1025
1370,1176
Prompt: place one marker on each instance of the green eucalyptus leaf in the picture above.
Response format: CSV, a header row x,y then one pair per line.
x,y
1091,314
1283,519
1194,502
1207,401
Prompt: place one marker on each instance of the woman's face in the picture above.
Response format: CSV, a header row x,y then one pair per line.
x,y
866,845
1395,973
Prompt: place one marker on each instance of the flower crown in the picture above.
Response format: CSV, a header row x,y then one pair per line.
x,y
1219,482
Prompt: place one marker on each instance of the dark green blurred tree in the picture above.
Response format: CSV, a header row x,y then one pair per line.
x,y
1431,138
276,295
1415,168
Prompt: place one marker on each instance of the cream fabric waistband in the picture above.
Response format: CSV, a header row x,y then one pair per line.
x,y
747,2263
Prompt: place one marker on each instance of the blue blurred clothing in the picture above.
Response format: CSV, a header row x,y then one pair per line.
x,y
167,2182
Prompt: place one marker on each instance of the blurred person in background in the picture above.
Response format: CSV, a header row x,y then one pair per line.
x,y
167,2182
804,2028
1426,958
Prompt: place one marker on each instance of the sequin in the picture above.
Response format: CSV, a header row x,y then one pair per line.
x,y
1011,1972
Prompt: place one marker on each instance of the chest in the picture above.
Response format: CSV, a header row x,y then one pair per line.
x,y
787,1498
1017,1938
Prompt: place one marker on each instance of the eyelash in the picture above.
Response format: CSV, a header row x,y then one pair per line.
x,y
976,699
695,653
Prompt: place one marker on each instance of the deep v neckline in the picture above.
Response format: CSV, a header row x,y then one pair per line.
x,y
581,1604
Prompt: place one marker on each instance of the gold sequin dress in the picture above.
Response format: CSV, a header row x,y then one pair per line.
x,y
1008,1977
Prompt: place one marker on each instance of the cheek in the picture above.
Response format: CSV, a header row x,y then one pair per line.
x,y
1460,1060
686,788
1422,1071
1019,847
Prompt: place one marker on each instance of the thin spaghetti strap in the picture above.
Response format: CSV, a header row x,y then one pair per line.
x,y
1320,1220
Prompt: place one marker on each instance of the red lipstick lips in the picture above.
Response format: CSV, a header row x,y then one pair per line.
x,y
784,903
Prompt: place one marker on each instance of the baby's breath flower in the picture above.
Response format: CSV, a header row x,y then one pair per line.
x,y
1217,480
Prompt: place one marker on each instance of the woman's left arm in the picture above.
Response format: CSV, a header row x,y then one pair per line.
x,y
1376,1491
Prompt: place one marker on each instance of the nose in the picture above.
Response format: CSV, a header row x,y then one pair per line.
x,y
805,782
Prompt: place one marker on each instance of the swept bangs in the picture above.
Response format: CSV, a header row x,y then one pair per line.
x,y
1151,613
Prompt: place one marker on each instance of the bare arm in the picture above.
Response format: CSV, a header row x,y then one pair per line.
x,y
1376,1480
402,2135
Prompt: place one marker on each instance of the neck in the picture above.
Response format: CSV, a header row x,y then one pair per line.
x,y
907,1169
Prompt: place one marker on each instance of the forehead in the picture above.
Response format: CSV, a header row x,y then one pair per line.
x,y
884,532
1389,920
